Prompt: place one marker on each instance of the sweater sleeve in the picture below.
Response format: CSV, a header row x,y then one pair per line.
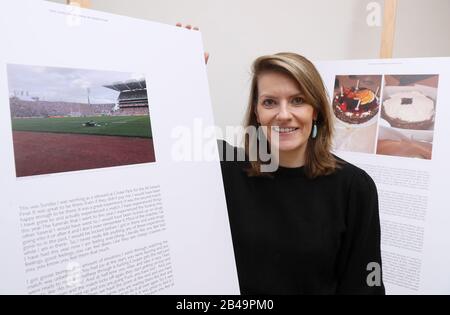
x,y
359,264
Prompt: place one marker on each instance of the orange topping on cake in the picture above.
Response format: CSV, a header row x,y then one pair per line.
x,y
366,96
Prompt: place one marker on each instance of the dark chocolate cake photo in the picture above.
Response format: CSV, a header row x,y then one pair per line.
x,y
354,103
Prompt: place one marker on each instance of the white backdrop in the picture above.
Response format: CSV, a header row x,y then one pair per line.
x,y
235,32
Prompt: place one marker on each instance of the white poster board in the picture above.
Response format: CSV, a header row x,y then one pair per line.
x,y
391,120
93,200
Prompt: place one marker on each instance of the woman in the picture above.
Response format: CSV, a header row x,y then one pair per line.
x,y
312,226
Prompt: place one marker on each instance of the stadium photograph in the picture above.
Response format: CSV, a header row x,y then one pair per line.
x,y
66,120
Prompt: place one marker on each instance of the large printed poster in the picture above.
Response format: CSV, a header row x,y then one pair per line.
x,y
93,199
391,120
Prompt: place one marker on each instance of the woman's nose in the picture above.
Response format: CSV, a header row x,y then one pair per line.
x,y
284,112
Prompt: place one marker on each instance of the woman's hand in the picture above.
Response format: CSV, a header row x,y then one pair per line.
x,y
189,27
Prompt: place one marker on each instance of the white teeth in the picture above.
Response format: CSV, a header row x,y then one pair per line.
x,y
284,130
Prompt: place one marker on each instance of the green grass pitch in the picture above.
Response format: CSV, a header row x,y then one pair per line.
x,y
124,126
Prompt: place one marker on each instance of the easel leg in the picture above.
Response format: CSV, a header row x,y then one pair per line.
x,y
388,34
80,3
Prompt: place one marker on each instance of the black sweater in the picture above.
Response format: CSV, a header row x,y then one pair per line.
x,y
294,235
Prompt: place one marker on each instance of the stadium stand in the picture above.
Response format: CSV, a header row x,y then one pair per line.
x,y
133,98
132,101
45,109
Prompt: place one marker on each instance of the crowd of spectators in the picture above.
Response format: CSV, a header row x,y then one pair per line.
x,y
31,109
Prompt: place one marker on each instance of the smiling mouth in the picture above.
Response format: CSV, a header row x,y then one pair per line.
x,y
284,130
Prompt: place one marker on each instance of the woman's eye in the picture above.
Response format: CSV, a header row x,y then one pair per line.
x,y
268,102
298,101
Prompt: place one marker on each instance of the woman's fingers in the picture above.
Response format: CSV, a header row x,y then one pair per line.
x,y
195,28
188,26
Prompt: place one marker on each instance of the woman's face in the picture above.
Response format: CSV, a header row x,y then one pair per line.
x,y
282,108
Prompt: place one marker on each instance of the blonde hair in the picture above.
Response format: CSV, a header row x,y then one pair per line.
x,y
319,160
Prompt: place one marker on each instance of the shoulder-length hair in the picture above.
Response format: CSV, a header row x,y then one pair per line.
x,y
319,160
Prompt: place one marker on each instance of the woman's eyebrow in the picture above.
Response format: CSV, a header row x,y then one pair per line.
x,y
298,94
267,95
275,97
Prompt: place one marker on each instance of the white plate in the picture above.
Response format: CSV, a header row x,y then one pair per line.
x,y
343,124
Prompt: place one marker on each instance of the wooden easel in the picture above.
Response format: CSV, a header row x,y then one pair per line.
x,y
80,3
387,36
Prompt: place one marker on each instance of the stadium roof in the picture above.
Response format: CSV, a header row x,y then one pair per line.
x,y
128,85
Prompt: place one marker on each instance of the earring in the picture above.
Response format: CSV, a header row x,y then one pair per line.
x,y
314,131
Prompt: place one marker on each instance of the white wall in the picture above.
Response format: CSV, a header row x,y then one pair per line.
x,y
423,29
235,32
